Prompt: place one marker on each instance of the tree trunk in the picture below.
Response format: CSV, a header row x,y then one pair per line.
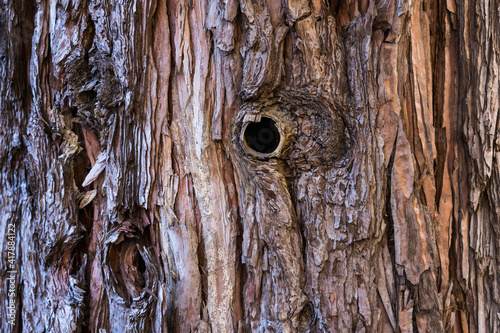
x,y
250,166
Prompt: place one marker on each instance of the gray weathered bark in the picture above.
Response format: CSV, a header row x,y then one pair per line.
x,y
140,204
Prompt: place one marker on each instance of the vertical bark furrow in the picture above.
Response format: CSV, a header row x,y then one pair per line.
x,y
16,30
248,165
479,38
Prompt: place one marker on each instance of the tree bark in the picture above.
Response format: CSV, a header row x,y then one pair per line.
x,y
250,166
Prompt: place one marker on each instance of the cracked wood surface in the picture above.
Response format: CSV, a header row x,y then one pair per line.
x,y
138,207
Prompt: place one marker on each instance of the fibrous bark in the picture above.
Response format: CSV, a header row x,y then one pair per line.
x,y
140,205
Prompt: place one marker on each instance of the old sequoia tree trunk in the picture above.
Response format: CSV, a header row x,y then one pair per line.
x,y
249,166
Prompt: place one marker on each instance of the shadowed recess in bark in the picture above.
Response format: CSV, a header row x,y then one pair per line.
x,y
262,136
250,165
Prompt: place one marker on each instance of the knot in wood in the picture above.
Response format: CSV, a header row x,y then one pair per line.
x,y
305,132
321,139
263,131
262,137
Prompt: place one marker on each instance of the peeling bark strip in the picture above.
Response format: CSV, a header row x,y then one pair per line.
x,y
250,166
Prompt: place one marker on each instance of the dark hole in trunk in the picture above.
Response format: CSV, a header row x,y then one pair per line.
x,y
263,137
141,267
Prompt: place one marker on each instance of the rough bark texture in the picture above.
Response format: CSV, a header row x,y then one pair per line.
x,y
139,206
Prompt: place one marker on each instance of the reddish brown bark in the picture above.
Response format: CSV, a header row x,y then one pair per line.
x,y
140,202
